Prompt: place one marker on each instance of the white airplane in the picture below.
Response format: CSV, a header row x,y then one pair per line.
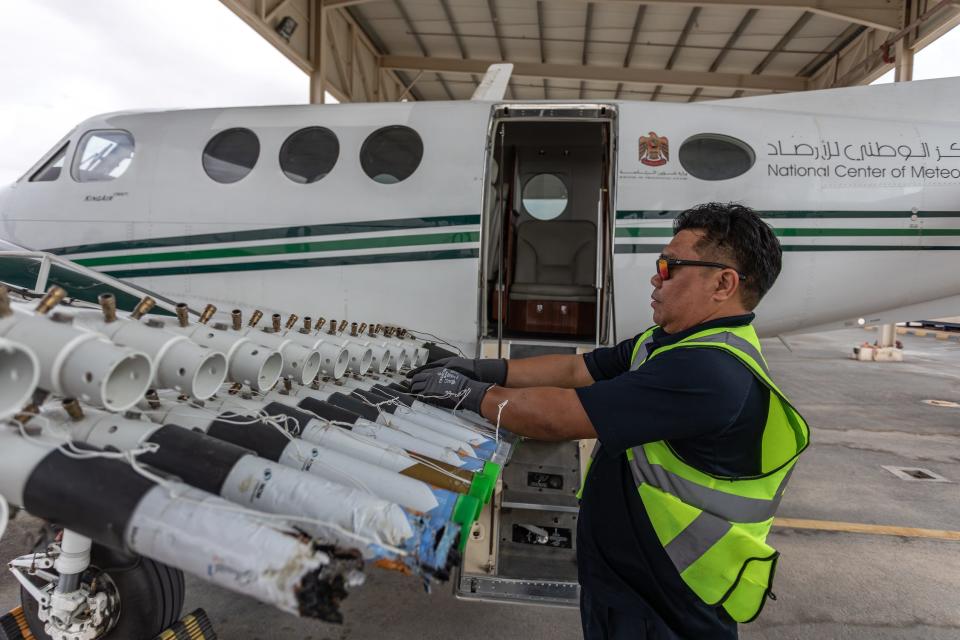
x,y
493,225
422,212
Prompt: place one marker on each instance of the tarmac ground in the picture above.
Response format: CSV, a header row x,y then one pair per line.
x,y
898,578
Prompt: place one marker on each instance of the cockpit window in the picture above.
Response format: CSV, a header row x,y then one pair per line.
x,y
715,156
103,155
231,155
391,154
52,168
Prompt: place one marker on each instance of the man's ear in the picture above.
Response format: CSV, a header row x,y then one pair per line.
x,y
728,284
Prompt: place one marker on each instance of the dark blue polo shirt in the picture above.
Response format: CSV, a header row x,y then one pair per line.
x,y
711,409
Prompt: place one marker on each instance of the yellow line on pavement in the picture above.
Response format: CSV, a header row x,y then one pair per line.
x,y
870,529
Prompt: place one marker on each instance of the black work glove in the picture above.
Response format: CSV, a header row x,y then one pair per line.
x,y
449,389
483,369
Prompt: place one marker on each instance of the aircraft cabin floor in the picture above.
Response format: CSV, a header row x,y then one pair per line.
x,y
830,584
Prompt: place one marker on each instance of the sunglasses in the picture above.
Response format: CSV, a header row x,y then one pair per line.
x,y
664,264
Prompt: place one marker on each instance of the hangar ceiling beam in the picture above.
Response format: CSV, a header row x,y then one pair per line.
x,y
328,44
763,83
863,56
628,58
731,41
682,40
878,14
543,48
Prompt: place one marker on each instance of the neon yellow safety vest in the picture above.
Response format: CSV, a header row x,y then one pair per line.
x,y
713,528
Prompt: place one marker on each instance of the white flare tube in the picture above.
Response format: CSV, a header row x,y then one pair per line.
x,y
249,362
179,363
19,373
351,472
81,364
300,363
405,441
277,488
471,436
334,358
174,524
425,433
260,484
205,535
356,446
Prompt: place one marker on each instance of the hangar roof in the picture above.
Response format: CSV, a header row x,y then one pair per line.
x,y
665,50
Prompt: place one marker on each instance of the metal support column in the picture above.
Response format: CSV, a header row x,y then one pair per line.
x,y
903,73
318,77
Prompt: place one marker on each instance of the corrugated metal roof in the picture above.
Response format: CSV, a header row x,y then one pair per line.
x,y
679,37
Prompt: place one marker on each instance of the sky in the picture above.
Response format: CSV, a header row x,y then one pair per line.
x,y
62,61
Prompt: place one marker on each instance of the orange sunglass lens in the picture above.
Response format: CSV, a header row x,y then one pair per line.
x,y
663,269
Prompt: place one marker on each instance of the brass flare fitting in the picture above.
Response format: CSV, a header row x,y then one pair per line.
x,y
54,295
333,328
73,409
143,307
108,304
5,309
183,314
353,329
153,400
292,321
237,317
208,312
255,318
275,318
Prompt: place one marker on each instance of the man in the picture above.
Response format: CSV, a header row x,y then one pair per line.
x,y
696,443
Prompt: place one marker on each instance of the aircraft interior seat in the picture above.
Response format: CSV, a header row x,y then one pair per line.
x,y
556,260
553,285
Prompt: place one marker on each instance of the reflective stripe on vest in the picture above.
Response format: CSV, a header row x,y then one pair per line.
x,y
714,528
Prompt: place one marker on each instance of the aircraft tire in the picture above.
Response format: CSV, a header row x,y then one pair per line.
x,y
151,595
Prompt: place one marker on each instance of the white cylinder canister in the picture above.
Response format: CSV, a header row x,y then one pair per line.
x,y
19,374
334,358
248,361
178,362
300,363
81,364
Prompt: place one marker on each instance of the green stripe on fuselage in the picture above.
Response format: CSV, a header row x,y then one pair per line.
x,y
288,248
665,232
275,233
669,214
297,263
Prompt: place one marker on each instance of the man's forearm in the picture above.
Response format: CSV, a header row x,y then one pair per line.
x,y
540,413
564,371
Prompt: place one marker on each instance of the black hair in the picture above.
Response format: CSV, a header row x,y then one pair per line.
x,y
736,233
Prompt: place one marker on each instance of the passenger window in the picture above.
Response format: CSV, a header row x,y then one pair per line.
x,y
714,156
51,170
391,154
545,196
231,155
103,155
309,154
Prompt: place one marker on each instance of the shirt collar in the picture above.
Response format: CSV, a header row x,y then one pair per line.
x,y
661,338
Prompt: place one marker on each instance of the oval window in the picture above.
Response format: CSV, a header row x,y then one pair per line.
x,y
545,196
103,155
309,154
231,155
714,156
391,154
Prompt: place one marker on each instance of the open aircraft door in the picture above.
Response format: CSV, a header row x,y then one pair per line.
x,y
546,287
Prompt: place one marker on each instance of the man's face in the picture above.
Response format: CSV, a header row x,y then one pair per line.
x,y
686,298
